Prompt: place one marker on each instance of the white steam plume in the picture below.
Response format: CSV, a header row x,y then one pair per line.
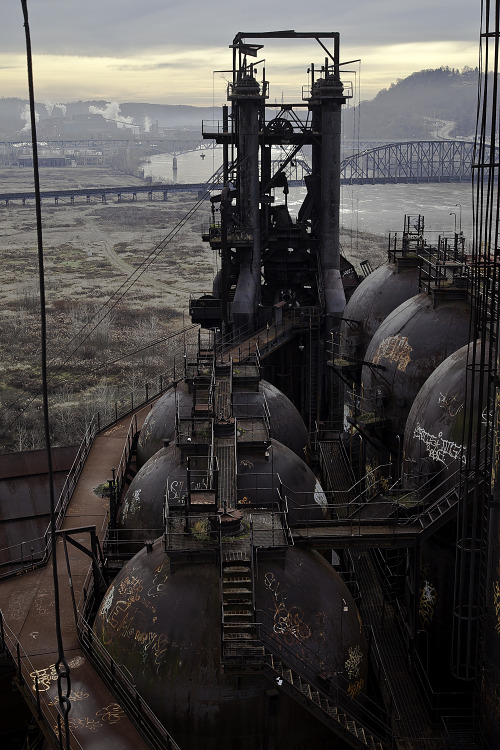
x,y
25,115
112,112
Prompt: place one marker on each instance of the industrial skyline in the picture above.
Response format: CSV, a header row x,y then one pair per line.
x,y
119,50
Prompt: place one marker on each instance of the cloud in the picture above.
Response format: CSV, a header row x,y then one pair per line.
x,y
142,66
120,49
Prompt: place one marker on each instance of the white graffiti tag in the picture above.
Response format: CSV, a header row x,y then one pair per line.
x,y
437,447
353,662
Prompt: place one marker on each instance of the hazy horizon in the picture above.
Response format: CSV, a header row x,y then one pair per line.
x,y
118,50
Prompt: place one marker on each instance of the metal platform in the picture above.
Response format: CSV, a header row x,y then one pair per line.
x,y
96,719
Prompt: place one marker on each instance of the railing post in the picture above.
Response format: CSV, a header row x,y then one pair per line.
x,y
90,636
18,653
37,692
112,500
59,731
139,707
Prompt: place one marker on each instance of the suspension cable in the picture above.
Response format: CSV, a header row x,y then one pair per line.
x,y
61,666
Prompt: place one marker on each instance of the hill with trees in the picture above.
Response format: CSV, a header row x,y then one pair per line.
x,y
427,104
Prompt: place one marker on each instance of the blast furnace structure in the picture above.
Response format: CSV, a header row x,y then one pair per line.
x,y
301,543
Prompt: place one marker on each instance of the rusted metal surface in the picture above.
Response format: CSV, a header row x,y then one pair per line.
x,y
24,501
299,598
349,535
29,463
27,606
378,295
411,342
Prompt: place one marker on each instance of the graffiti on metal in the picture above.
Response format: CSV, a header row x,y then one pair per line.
x,y
288,620
43,677
428,598
448,403
353,662
437,447
355,688
396,350
132,505
110,714
496,605
74,697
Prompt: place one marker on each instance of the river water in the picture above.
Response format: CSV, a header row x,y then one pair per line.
x,y
378,209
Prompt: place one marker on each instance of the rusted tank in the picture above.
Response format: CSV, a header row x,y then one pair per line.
x,y
165,628
286,424
261,477
378,295
411,342
435,449
435,434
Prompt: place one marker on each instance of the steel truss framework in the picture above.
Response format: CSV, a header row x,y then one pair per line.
x,y
412,161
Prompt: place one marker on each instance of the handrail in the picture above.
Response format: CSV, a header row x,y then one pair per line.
x,y
348,703
41,552
291,319
267,413
37,688
283,506
121,469
221,590
393,709
114,675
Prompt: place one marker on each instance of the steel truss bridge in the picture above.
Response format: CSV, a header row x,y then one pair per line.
x,y
407,162
172,144
411,161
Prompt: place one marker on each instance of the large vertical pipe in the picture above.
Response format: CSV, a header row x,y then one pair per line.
x,y
247,294
327,94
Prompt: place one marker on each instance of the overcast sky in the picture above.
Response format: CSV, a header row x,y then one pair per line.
x,y
165,51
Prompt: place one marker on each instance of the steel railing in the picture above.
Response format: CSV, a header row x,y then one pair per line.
x,y
36,684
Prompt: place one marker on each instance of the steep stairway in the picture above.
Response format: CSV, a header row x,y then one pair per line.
x,y
318,703
239,645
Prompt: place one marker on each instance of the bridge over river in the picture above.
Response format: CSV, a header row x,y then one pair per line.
x,y
401,162
411,161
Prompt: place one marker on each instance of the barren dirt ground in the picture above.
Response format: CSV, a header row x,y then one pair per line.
x,y
91,250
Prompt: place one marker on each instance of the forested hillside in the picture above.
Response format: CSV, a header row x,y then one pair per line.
x,y
428,104
437,103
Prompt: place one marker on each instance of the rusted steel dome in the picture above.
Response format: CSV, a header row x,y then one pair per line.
x,y
372,301
260,475
433,445
435,448
165,628
286,424
411,342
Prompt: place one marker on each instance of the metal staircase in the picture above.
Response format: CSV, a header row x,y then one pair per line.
x,y
318,703
434,517
246,648
238,621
